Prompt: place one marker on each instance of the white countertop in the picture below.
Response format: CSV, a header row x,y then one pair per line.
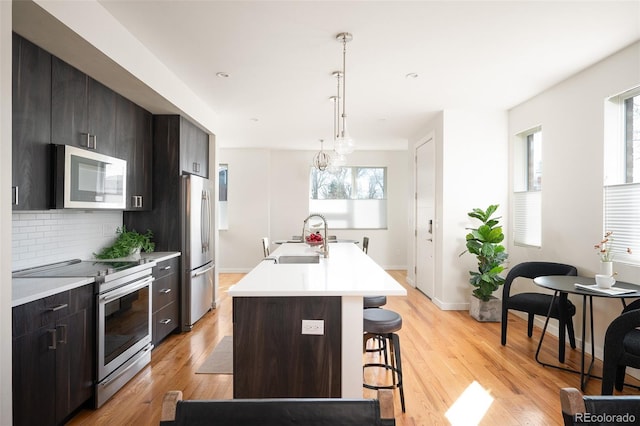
x,y
348,271
25,290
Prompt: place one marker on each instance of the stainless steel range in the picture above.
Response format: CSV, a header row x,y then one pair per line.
x,y
123,321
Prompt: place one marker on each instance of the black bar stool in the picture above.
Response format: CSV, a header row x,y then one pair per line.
x,y
374,301
369,302
382,324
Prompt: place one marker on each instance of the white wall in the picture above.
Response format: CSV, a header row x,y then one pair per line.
x,y
239,247
572,120
268,197
471,171
5,210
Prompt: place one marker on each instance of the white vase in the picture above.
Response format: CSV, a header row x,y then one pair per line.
x,y
606,268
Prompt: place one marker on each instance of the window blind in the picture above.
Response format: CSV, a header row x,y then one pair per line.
x,y
527,218
622,218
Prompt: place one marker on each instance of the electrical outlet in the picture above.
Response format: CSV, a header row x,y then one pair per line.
x,y
313,327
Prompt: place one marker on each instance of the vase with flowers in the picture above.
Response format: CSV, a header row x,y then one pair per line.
x,y
606,256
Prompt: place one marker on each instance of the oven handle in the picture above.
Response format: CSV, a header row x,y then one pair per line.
x,y
123,291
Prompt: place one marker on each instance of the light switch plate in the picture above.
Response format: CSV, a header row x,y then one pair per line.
x,y
313,327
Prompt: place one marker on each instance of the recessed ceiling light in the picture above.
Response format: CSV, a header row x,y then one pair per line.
x,y
412,75
222,74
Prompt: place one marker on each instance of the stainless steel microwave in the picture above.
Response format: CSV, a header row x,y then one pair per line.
x,y
88,180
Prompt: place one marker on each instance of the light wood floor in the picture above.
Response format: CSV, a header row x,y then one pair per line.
x,y
443,353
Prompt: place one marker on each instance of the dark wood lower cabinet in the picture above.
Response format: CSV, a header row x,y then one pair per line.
x,y
166,287
271,356
53,357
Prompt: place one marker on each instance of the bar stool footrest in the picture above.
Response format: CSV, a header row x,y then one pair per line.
x,y
395,371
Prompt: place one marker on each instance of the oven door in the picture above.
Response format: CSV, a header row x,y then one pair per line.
x,y
124,324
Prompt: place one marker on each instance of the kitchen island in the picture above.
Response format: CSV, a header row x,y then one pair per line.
x,y
297,327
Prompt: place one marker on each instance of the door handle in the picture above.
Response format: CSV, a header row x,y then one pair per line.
x,y
52,335
197,274
430,226
63,329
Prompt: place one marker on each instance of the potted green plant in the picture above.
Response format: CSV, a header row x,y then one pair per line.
x,y
128,243
485,243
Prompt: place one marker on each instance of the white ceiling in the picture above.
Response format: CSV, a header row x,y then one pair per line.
x,y
280,56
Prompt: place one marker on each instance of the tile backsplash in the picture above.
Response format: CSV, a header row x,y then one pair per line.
x,y
41,237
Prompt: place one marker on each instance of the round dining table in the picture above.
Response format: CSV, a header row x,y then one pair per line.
x,y
586,287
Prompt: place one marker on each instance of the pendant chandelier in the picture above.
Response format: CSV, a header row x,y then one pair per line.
x,y
343,143
337,160
321,159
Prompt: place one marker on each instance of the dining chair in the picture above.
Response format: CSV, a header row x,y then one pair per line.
x,y
538,303
621,348
365,244
265,246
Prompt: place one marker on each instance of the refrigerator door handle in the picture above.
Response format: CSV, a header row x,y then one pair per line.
x,y
204,271
206,220
203,219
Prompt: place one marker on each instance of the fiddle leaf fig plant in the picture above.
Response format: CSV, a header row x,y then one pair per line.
x,y
127,243
484,242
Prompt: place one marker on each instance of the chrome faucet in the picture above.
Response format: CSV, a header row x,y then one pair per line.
x,y
325,247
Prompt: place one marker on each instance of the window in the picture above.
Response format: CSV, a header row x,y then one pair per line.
x,y
622,175
528,189
351,198
223,217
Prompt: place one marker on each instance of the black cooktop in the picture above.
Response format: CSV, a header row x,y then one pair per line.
x,y
76,268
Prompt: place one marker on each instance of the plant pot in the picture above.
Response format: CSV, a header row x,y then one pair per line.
x,y
489,311
135,254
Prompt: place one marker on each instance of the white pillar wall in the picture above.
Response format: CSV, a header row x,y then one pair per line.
x,y
5,209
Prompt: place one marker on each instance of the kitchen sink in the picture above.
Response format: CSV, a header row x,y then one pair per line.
x,y
299,259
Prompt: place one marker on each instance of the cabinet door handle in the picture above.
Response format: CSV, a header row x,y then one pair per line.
x,y
165,321
195,167
63,332
165,291
95,142
52,337
136,201
166,268
58,307
15,195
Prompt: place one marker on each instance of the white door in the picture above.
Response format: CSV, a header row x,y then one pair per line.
x,y
425,216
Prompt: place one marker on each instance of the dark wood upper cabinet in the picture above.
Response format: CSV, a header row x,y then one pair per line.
x,y
31,125
194,149
83,111
173,139
134,144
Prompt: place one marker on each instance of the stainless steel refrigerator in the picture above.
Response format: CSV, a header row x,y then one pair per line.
x,y
197,256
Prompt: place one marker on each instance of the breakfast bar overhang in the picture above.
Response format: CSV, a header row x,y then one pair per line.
x,y
274,355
